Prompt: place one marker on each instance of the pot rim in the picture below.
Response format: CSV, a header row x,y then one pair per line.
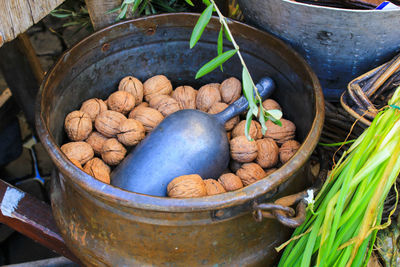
x,y
118,196
343,10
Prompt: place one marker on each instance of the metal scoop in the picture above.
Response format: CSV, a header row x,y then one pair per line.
x,y
186,142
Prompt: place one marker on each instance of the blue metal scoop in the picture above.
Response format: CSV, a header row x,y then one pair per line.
x,y
186,142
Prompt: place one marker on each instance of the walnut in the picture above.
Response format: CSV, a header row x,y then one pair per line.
x,y
207,96
149,117
234,165
132,85
243,150
250,173
80,151
230,182
217,108
185,96
280,134
131,132
269,104
288,149
231,90
113,152
165,104
229,135
96,141
98,169
187,186
108,121
76,163
143,104
156,85
255,130
213,187
268,151
121,101
93,107
78,125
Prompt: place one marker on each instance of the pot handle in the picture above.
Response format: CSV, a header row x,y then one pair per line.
x,y
281,209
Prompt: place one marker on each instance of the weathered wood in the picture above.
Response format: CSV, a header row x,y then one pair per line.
x,y
16,16
22,73
98,12
31,217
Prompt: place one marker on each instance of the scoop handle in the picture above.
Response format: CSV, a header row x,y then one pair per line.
x,y
265,87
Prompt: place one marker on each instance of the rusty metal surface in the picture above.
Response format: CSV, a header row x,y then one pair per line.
x,y
105,225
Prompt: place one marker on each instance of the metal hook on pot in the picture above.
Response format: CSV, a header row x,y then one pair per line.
x,y
281,210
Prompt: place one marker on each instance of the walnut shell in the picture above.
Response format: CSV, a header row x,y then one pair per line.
x,y
80,151
207,96
113,152
229,135
288,149
213,187
268,152
243,150
93,107
143,104
121,101
165,104
149,117
78,125
132,85
76,163
269,171
255,130
217,108
231,90
269,104
96,141
98,169
230,182
131,132
187,186
185,96
280,134
250,173
107,123
156,85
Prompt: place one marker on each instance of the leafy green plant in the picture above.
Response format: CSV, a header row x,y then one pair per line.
x,y
148,7
76,16
249,89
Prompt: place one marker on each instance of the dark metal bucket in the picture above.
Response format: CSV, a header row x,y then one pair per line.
x,y
106,226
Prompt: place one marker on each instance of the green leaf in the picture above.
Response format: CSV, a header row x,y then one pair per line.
x,y
227,36
113,10
274,117
214,63
248,90
201,25
262,121
60,15
221,43
189,2
136,6
207,2
275,113
122,15
128,1
249,117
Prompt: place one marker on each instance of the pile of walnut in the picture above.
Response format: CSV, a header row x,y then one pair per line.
x,y
102,132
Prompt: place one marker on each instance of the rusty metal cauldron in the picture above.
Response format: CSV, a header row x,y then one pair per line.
x,y
107,226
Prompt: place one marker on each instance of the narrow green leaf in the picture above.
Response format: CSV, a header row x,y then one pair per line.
x,y
276,113
60,15
189,2
207,2
122,15
214,63
113,10
136,6
248,90
227,36
221,43
128,1
249,117
262,121
201,25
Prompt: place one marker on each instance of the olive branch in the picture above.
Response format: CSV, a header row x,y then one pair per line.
x,y
249,88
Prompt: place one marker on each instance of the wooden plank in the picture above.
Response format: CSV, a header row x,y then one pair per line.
x,y
98,12
31,217
16,16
